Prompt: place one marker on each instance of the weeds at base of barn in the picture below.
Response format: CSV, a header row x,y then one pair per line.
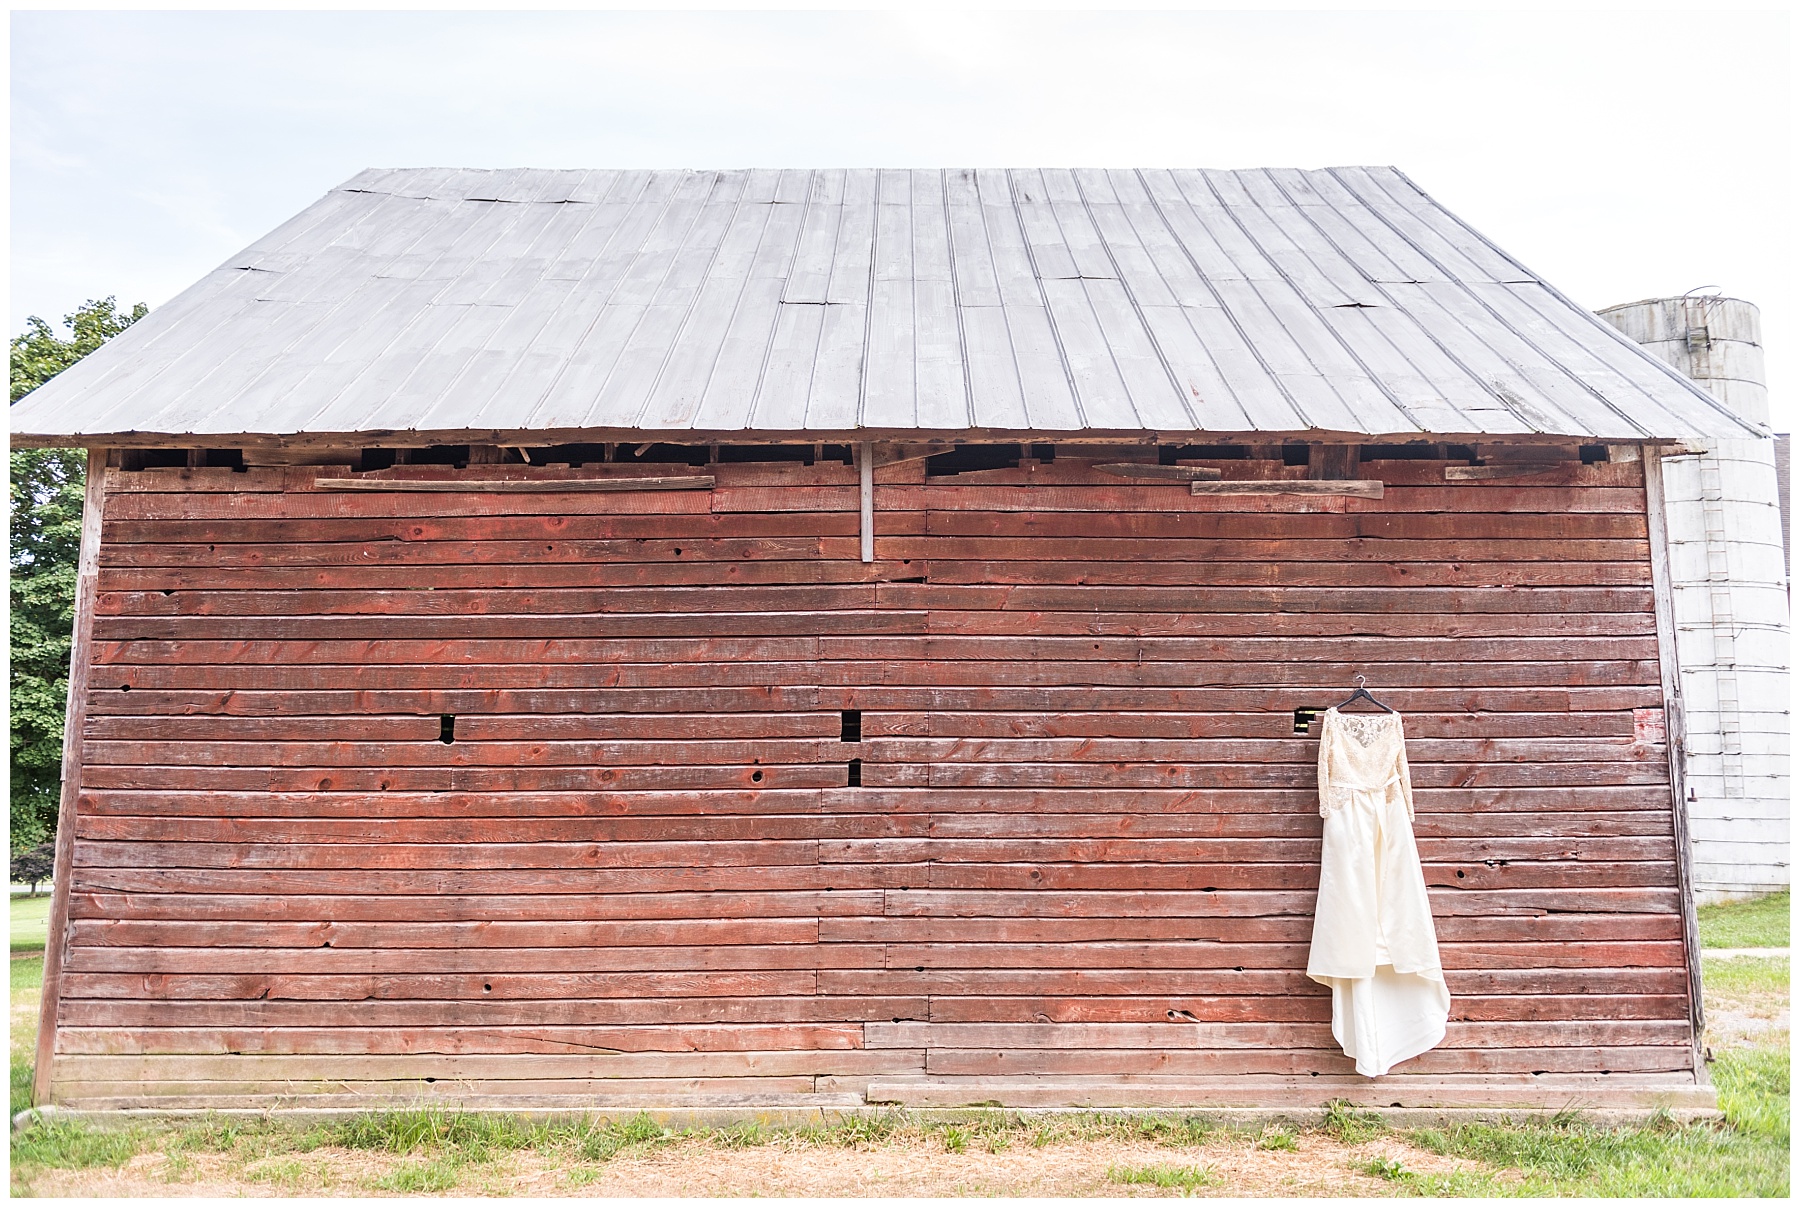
x,y
996,1153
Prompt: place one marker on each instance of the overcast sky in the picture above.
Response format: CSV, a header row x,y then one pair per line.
x,y
1621,154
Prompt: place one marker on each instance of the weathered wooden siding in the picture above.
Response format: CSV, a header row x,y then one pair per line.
x,y
1084,845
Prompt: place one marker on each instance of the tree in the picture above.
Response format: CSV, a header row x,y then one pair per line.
x,y
47,491
35,866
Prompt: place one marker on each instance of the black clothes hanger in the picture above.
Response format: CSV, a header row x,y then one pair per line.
x,y
1361,693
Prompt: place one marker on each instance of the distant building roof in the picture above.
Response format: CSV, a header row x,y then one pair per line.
x,y
863,303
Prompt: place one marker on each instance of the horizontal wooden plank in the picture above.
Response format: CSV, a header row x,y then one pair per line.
x,y
698,854
481,934
178,526
540,626
1367,488
895,526
880,648
409,504
1176,775
1256,707
1468,524
429,751
1439,573
641,574
515,1095
685,482
425,726
326,960
704,551
692,828
777,597
180,480
277,910
361,988
259,1067
158,720
467,779
1185,1036
1053,1062
1238,929
1322,680
506,1012
1471,836
684,879
461,1039
1192,1008
1262,600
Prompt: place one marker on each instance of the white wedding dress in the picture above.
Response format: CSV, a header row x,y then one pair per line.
x,y
1373,942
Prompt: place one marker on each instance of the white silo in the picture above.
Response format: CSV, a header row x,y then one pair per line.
x,y
1729,577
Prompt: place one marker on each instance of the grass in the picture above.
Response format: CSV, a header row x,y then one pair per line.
x,y
27,983
435,1152
1758,923
28,974
1277,1139
30,923
1185,1178
1757,985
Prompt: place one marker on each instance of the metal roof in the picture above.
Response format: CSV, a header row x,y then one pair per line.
x,y
838,302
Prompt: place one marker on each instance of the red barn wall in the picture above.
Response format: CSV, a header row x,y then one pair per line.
x,y
1084,847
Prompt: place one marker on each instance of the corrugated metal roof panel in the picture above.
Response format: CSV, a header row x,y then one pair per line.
x,y
441,300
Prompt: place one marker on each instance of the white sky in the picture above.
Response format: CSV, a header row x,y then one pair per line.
x,y
1623,154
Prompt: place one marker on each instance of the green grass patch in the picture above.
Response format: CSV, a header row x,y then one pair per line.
x,y
1754,1092
28,973
1757,923
1276,1139
1385,1168
1349,1125
1181,1178
465,1137
1757,984
27,983
419,1178
69,1145
1746,1155
23,1066
30,925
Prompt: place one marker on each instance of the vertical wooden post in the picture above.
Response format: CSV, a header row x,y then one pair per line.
x,y
865,457
1675,729
1334,462
74,720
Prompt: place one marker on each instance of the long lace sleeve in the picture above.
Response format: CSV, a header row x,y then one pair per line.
x,y
1404,771
1327,797
1331,794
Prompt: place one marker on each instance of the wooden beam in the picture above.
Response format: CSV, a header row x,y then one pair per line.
x,y
74,721
1487,473
686,482
895,454
1138,469
1355,488
1675,729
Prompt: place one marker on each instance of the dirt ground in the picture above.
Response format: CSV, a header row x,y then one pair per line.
x,y
1235,1166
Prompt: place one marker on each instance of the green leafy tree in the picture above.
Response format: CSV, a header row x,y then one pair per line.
x,y
48,486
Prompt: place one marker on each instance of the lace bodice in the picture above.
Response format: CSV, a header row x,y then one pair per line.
x,y
1361,753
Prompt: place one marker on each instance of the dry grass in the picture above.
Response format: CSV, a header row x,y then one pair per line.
x,y
916,1163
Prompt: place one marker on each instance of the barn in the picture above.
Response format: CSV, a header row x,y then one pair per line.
x,y
779,640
